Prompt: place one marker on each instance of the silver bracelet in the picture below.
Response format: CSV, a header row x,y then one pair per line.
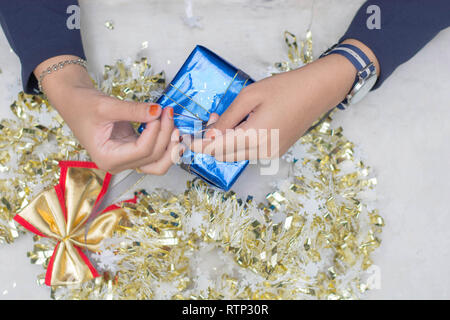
x,y
59,66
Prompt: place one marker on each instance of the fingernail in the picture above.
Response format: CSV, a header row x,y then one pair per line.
x,y
180,138
210,134
181,152
154,108
170,112
186,138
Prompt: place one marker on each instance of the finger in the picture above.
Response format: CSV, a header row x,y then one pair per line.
x,y
210,131
249,144
166,134
234,140
213,117
171,156
118,110
245,102
121,156
239,155
148,160
259,152
238,145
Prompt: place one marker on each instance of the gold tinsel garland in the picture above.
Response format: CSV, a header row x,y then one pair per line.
x,y
312,238
32,144
30,147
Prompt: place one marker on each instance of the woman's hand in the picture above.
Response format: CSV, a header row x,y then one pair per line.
x,y
280,109
102,123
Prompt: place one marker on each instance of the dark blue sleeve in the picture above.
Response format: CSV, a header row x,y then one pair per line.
x,y
37,30
406,27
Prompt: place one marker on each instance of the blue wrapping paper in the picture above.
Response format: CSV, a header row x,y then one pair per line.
x,y
205,84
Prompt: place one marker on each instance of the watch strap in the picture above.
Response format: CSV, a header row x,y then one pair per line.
x,y
357,57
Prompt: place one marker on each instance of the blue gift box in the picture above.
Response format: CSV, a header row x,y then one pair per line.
x,y
206,83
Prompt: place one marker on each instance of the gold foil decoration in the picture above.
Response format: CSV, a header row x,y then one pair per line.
x,y
336,238
299,52
30,147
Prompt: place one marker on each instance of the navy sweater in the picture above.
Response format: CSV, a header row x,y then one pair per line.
x,y
37,30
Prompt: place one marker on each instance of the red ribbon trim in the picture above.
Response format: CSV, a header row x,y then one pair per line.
x,y
28,225
48,274
62,203
88,263
104,188
77,164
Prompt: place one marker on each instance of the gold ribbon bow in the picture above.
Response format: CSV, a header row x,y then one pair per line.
x,y
61,213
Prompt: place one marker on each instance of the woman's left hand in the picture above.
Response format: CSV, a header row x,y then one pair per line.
x,y
279,109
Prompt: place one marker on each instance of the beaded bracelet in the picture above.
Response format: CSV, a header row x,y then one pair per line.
x,y
59,66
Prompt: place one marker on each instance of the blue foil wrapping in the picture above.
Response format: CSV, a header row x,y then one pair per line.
x,y
206,83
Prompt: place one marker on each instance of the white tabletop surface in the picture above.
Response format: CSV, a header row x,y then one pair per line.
x,y
401,127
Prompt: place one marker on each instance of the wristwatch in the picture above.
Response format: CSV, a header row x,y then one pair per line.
x,y
366,76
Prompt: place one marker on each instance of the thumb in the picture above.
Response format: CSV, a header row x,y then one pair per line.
x,y
130,111
244,103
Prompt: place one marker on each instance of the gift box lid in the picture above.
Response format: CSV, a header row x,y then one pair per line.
x,y
206,83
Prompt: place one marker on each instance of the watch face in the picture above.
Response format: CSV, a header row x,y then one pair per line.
x,y
362,88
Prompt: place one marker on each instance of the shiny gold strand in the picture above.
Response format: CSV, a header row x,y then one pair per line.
x,y
319,249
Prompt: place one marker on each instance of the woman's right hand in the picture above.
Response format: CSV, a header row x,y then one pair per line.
x,y
102,123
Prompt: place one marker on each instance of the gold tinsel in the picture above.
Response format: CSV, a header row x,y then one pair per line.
x,y
312,238
30,147
34,141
